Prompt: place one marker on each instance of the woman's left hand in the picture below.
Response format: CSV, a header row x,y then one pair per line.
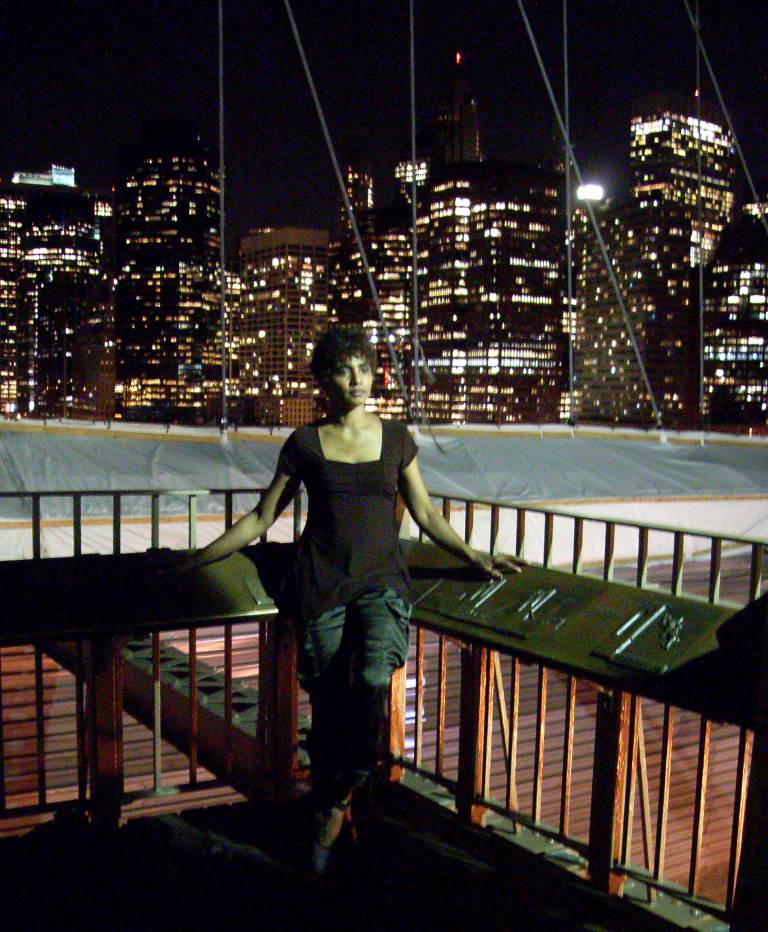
x,y
496,566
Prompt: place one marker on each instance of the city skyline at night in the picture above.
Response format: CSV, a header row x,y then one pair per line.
x,y
490,224
76,97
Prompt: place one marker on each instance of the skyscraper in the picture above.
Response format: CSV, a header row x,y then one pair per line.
x,y
359,185
666,145
736,327
167,295
404,171
12,205
56,295
654,240
387,241
457,128
650,252
212,355
491,292
285,283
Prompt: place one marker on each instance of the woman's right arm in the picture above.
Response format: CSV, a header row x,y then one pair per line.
x,y
256,523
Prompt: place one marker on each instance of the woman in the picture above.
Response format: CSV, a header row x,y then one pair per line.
x,y
350,585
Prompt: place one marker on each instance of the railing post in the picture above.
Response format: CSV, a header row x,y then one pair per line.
x,y
77,524
192,522
608,785
37,534
715,568
756,571
751,904
678,557
106,715
549,530
494,530
520,533
472,733
116,519
469,521
578,544
610,550
278,690
642,558
397,696
155,518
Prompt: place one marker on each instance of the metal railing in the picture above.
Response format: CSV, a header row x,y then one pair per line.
x,y
595,774
180,683
529,744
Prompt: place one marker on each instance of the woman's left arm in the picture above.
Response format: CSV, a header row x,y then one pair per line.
x,y
435,526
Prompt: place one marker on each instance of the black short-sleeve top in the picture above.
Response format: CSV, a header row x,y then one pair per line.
x,y
350,541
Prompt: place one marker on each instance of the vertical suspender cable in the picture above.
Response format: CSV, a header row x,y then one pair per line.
x,y
347,205
568,218
700,264
415,346
593,219
726,114
222,251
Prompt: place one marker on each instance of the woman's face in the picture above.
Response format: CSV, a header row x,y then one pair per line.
x,y
349,385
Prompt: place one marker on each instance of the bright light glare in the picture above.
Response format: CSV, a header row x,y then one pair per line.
x,y
590,192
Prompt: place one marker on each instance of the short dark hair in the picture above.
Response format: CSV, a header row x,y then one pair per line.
x,y
337,345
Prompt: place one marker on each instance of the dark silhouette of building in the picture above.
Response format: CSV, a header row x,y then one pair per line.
x,y
457,136
167,293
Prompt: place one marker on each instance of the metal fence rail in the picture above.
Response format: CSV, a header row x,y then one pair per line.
x,y
48,693
499,735
539,736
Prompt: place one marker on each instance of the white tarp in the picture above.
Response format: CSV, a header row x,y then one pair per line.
x,y
691,481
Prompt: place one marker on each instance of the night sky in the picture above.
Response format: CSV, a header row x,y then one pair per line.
x,y
79,77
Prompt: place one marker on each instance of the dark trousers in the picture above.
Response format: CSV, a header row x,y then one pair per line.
x,y
346,660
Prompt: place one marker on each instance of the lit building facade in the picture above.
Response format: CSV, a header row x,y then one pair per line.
x,y
55,336
285,307
359,186
736,327
212,354
666,140
167,292
94,351
404,172
12,204
491,270
650,251
386,235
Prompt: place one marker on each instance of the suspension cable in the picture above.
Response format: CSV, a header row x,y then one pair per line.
x,y
222,250
726,114
569,217
415,345
348,206
590,212
700,269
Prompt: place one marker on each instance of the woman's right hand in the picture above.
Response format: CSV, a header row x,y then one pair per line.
x,y
178,563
